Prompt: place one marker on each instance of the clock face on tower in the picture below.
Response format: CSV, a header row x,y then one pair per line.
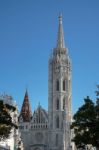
x,y
39,136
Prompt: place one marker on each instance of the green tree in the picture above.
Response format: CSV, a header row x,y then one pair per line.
x,y
86,124
6,122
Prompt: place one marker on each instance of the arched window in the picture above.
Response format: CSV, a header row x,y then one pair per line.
x,y
57,122
57,104
57,85
56,139
64,85
63,103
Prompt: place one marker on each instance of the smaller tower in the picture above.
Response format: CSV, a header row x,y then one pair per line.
x,y
24,121
26,113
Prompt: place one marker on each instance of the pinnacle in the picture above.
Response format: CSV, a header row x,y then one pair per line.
x,y
60,40
26,110
26,93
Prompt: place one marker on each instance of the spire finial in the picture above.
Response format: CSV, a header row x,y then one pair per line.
x,y
26,92
60,18
60,41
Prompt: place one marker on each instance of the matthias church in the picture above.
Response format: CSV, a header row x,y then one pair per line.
x,y
50,130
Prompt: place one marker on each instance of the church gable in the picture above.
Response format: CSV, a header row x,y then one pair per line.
x,y
40,116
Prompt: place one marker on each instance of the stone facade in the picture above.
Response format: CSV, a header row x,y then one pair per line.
x,y
35,132
51,130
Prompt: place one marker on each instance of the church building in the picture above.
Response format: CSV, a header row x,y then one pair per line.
x,y
50,130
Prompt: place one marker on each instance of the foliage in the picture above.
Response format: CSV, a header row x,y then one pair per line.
x,y
86,124
6,122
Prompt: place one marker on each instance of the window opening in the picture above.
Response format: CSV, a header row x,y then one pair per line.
x,y
64,85
57,122
57,85
57,104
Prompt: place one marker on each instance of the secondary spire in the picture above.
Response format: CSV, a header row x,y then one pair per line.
x,y
60,40
26,110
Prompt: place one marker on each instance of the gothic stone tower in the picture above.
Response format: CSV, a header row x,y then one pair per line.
x,y
59,100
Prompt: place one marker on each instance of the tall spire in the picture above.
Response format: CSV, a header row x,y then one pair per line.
x,y
26,110
60,40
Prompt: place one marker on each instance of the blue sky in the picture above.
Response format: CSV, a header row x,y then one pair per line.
x,y
28,33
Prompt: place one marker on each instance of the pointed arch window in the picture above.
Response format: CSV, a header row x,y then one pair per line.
x,y
57,104
63,103
64,85
57,85
57,122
